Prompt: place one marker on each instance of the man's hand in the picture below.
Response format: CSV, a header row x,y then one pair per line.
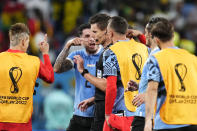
x,y
85,104
44,46
131,86
107,120
138,99
148,125
75,42
79,61
133,33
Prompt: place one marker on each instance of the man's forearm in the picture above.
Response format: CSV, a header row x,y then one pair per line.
x,y
100,83
92,99
150,99
61,64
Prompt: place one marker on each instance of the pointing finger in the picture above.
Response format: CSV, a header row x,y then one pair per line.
x,y
45,38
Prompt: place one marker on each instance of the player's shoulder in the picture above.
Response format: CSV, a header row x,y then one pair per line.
x,y
33,58
109,55
108,52
152,60
3,53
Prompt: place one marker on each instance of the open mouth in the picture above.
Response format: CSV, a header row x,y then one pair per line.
x,y
92,45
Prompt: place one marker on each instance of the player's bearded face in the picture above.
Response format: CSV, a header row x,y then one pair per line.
x,y
89,41
91,46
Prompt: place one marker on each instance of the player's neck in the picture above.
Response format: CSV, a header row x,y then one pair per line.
x,y
165,45
153,46
107,42
119,38
16,48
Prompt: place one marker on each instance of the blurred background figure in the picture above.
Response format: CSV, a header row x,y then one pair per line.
x,y
58,109
66,80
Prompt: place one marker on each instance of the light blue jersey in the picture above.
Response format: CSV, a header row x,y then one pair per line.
x,y
154,74
143,85
83,89
111,68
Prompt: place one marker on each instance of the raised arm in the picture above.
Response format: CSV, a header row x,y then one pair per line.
x,y
46,70
62,64
136,33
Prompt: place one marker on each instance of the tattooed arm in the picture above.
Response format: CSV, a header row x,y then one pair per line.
x,y
62,64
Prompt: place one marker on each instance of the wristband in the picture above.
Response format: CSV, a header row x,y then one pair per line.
x,y
84,72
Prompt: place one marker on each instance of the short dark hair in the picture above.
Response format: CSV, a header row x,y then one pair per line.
x,y
82,27
118,24
163,30
101,20
153,21
18,28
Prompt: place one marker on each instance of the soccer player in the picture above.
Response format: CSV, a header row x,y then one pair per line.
x,y
81,120
139,119
98,24
19,72
172,84
122,61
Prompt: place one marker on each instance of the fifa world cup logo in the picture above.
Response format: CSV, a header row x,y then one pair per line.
x,y
137,62
15,74
181,71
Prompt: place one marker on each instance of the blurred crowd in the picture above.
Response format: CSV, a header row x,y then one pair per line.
x,y
60,19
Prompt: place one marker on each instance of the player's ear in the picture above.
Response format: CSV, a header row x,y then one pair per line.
x,y
157,40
